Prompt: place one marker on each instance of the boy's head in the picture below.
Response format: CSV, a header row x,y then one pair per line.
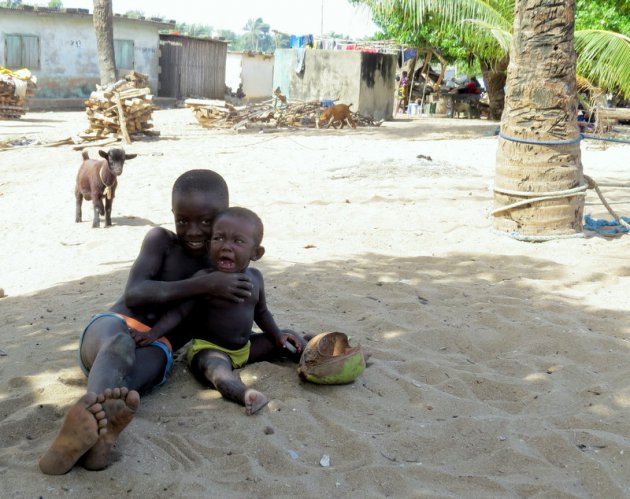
x,y
198,195
236,237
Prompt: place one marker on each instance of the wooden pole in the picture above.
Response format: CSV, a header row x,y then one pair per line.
x,y
122,122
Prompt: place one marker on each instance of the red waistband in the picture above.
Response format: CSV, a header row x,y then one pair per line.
x,y
143,328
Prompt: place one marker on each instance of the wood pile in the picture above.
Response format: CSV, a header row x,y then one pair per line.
x,y
14,89
121,109
221,114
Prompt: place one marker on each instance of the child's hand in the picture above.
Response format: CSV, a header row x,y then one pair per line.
x,y
234,287
291,341
143,339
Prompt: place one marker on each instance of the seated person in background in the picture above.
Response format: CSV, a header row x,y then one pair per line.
x,y
472,87
223,338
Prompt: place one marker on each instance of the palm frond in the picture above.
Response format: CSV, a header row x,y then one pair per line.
x,y
497,13
604,59
501,36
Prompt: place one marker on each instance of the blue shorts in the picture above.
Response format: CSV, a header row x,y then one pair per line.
x,y
161,343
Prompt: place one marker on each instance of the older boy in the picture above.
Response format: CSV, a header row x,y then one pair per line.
x,y
160,277
223,340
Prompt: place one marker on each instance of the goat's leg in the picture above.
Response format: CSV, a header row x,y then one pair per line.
x,y
79,198
96,222
108,211
99,209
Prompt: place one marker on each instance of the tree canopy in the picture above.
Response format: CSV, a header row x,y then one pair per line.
x,y
483,28
609,15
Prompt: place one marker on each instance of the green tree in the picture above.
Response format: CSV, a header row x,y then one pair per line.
x,y
281,40
229,36
135,14
609,15
397,24
55,4
198,30
484,29
433,24
256,34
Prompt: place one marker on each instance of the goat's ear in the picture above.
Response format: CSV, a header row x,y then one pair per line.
x,y
103,154
130,156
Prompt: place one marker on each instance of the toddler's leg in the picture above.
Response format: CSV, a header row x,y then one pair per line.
x,y
214,367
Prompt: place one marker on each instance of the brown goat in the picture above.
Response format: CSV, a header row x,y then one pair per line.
x,y
339,113
97,180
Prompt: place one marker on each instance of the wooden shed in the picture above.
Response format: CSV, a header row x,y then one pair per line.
x,y
192,67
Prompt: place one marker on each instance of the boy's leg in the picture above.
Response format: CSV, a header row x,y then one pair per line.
x,y
214,367
120,405
119,370
81,429
113,360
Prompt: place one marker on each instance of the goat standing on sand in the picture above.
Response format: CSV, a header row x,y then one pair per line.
x,y
97,180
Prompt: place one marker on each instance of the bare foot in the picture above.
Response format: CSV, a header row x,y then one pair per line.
x,y
254,401
81,429
120,406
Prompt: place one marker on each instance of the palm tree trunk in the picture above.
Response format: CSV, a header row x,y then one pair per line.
x,y
494,76
104,29
540,105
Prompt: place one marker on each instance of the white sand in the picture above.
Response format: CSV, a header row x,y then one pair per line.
x,y
499,368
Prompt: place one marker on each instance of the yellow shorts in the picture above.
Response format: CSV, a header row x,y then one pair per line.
x,y
238,358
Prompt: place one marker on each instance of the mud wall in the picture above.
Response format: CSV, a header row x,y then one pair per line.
x,y
367,80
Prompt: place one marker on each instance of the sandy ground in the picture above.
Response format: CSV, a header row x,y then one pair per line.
x,y
499,368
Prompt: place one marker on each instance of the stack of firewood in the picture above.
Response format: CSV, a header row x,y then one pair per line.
x,y
14,89
122,109
214,113
221,114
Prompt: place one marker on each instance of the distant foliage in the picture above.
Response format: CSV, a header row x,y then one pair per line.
x,y
55,4
609,15
227,35
199,30
134,14
257,36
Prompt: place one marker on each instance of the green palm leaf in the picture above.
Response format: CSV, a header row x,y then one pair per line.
x,y
603,56
604,59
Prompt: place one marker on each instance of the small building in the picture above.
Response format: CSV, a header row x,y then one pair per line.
x,y
59,48
252,70
367,80
192,67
